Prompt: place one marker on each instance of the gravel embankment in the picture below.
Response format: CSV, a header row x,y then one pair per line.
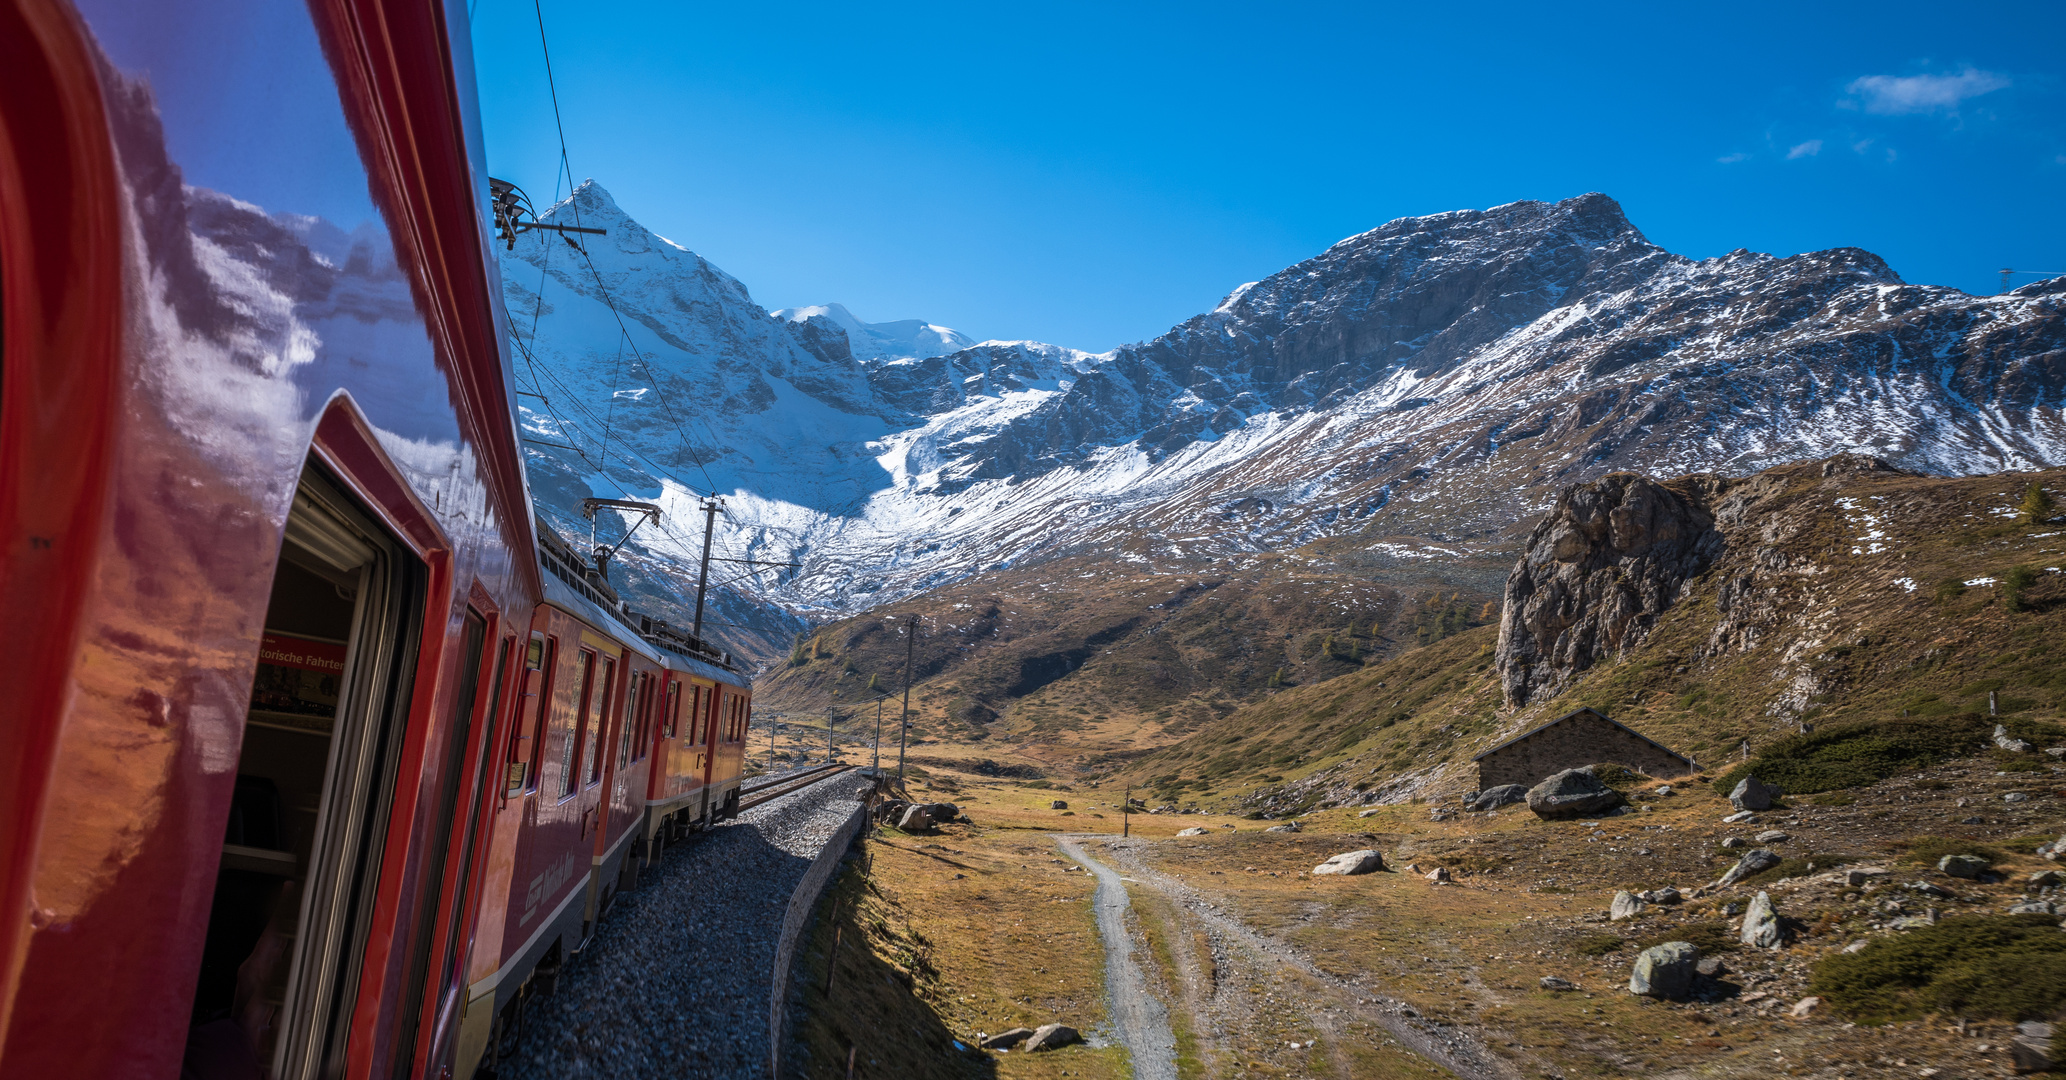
x,y
676,982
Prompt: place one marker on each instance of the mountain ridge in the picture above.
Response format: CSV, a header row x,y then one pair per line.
x,y
1415,393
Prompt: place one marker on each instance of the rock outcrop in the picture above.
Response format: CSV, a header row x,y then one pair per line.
x,y
1597,572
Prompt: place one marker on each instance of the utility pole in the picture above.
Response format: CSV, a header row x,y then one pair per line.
x,y
1125,808
828,736
910,650
771,742
710,508
878,736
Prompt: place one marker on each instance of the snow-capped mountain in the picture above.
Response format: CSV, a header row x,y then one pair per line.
x,y
906,339
1415,391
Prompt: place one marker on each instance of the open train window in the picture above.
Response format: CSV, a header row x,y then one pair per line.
x,y
293,902
527,727
595,725
571,745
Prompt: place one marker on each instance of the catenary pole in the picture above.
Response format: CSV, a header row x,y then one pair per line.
x,y
904,739
710,509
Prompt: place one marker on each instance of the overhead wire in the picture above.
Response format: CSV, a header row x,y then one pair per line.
x,y
539,372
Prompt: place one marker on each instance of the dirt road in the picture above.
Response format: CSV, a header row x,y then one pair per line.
x,y
1138,1019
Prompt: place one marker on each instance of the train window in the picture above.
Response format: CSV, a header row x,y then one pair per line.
x,y
526,727
571,741
592,750
704,721
292,907
629,724
674,708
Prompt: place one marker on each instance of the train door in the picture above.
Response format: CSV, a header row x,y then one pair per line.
x,y
315,776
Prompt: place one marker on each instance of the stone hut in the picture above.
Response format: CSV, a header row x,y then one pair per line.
x,y
1585,737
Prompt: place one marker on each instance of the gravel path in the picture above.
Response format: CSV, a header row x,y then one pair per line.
x,y
1449,1047
1139,1021
676,982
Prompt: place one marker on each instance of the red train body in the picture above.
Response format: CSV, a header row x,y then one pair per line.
x,y
317,747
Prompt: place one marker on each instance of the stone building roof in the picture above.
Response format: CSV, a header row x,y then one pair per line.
x,y
1534,731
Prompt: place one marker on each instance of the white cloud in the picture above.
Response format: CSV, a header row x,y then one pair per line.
x,y
1806,149
1731,159
1861,146
1895,95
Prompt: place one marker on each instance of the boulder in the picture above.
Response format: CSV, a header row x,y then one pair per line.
x,y
1192,831
1625,906
1761,924
1755,861
1572,793
1052,1037
2054,851
1805,1006
1753,794
1493,798
891,810
1859,875
1665,971
1772,836
1352,862
1005,1040
1289,826
1373,812
1735,842
1969,867
943,811
2030,905
1438,876
1551,982
2030,1048
2009,742
915,819
1712,967
1058,804
1739,816
2047,877
1666,895
2015,796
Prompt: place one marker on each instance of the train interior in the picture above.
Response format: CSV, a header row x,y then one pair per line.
x,y
322,632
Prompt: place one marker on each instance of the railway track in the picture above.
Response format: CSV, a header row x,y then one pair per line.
x,y
753,796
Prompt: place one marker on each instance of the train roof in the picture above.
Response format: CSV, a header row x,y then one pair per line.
x,y
572,586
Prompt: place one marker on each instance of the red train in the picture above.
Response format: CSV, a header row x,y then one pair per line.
x,y
318,747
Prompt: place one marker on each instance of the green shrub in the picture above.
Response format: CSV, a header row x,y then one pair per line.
x,y
1950,589
1796,867
2013,585
1709,937
1619,777
1857,754
1927,850
1991,967
1596,944
1833,798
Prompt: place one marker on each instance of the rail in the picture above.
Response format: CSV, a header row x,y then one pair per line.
x,y
788,784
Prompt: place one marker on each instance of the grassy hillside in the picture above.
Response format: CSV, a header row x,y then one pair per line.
x,y
1840,599
1083,657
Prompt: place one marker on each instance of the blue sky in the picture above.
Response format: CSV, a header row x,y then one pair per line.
x,y
1090,175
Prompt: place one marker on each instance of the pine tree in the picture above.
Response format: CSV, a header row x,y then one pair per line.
x,y
2037,504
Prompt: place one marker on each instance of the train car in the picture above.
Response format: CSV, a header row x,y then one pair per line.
x,y
693,780
268,572
581,742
